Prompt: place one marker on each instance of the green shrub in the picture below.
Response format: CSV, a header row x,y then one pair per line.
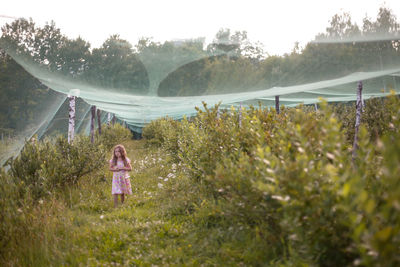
x,y
43,166
10,212
375,117
288,182
112,135
291,180
158,132
372,192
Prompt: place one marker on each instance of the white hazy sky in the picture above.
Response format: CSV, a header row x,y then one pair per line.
x,y
278,24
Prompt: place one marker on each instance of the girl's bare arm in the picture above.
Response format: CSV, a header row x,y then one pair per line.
x,y
128,167
113,169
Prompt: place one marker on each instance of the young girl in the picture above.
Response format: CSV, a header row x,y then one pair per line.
x,y
120,165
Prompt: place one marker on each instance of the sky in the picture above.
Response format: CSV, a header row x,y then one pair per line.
x,y
277,24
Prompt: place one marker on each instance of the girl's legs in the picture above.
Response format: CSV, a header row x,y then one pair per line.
x,y
115,200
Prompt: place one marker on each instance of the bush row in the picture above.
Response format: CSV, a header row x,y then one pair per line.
x,y
291,178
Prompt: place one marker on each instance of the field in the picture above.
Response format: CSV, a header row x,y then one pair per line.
x,y
272,190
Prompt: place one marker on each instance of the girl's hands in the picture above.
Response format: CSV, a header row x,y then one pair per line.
x,y
117,169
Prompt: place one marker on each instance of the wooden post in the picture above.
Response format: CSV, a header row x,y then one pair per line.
x,y
277,104
71,121
108,118
240,114
93,109
316,106
114,120
99,120
358,118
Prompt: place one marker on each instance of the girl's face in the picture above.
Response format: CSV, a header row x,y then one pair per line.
x,y
117,152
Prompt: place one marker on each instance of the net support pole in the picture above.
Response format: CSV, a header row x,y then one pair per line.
x,y
71,119
240,114
277,104
358,118
92,119
99,120
108,118
316,107
113,120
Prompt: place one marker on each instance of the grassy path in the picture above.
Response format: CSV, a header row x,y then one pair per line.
x,y
127,235
141,232
168,221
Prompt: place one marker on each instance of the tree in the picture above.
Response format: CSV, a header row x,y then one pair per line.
x,y
74,56
115,65
341,26
384,33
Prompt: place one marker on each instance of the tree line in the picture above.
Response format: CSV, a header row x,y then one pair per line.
x,y
231,63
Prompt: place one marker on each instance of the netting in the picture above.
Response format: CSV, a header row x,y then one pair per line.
x,y
153,80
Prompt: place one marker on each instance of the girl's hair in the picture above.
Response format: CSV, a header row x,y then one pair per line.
x,y
123,155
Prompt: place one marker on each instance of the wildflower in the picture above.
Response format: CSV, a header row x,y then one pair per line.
x,y
166,179
286,198
330,156
101,216
160,185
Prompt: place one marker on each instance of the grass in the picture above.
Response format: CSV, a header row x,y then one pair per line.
x,y
168,221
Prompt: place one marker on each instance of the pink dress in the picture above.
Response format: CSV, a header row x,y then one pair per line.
x,y
120,182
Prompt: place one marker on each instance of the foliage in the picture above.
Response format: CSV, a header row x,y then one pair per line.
x,y
234,187
284,191
43,166
373,193
157,132
9,215
291,179
119,65
376,117
112,135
